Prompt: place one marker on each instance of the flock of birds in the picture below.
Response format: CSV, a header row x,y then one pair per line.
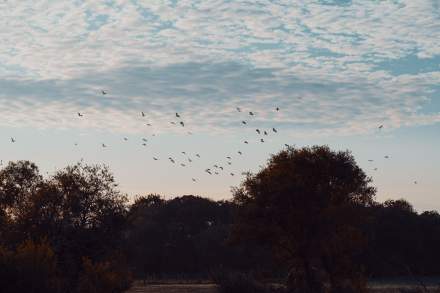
x,y
217,168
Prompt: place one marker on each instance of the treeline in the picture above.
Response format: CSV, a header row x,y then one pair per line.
x,y
191,236
308,214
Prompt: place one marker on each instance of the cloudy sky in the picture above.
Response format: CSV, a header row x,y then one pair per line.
x,y
337,69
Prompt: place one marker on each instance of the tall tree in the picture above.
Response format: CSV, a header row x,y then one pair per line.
x,y
306,204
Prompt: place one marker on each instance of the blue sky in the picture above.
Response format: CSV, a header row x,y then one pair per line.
x,y
336,69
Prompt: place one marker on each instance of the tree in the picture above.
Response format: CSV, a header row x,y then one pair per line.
x,y
78,210
306,204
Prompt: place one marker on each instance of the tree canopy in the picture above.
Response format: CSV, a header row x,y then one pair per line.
x,y
305,204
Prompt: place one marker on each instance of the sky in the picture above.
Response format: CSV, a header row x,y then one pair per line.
x,y
336,69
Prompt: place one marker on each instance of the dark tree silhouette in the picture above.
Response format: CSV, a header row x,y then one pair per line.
x,y
78,210
306,205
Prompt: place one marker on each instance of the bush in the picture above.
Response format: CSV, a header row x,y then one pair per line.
x,y
103,277
31,268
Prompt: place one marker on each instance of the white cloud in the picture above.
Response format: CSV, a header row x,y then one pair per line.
x,y
206,57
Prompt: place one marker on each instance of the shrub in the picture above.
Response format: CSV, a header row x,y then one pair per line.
x,y
31,268
103,277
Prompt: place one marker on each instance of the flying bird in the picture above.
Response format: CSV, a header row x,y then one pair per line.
x,y
103,92
183,153
232,174
148,124
370,160
154,158
177,115
244,122
143,114
182,164
125,138
277,109
262,140
172,122
194,180
415,182
144,144
258,131
238,109
240,153
380,127
103,145
197,155
181,123
171,159
79,114
12,139
386,157
246,142
274,130
229,158
265,132
251,113
144,139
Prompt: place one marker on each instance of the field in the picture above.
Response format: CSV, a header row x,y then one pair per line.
x,y
375,287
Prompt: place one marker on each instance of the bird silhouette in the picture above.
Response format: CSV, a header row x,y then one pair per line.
x,y
229,158
103,92
12,139
274,130
258,131
238,109
79,114
251,113
177,115
183,153
229,163
143,114
262,140
125,138
246,142
244,122
277,109
239,152
380,126
144,144
172,122
197,155
171,159
194,180
154,158
103,145
182,164
148,124
265,132
181,123
232,174
144,139
415,182
386,157
370,160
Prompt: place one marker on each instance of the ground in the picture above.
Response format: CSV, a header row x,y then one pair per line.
x,y
211,288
